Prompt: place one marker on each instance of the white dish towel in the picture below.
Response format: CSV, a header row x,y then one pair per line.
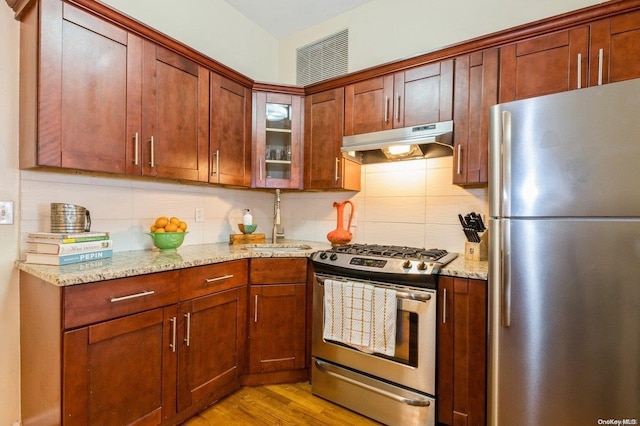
x,y
360,315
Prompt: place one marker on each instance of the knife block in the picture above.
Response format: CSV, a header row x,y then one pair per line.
x,y
477,251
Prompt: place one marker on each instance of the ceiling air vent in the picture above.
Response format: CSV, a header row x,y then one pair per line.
x,y
323,59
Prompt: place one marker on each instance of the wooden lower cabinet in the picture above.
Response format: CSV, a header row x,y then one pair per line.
x,y
147,350
120,371
211,341
462,351
277,321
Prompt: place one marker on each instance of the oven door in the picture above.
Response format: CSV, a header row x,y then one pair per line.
x,y
413,364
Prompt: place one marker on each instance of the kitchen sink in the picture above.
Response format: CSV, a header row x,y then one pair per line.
x,y
277,247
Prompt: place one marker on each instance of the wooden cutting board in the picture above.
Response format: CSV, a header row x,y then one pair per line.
x,y
246,238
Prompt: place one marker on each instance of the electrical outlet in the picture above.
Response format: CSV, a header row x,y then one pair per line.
x,y
354,220
199,214
6,212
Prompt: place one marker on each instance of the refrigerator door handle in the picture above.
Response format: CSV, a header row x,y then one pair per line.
x,y
505,175
499,150
505,274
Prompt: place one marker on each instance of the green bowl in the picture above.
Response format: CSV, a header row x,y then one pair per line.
x,y
166,241
247,229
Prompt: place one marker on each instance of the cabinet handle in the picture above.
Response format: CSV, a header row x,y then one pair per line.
x,y
172,345
217,155
600,59
579,71
386,109
135,153
444,306
223,277
260,169
398,109
255,309
459,159
132,296
337,167
187,338
152,161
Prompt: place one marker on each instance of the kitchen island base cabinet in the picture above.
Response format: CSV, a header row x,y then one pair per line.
x,y
462,351
277,321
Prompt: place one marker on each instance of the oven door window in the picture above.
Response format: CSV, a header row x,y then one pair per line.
x,y
406,339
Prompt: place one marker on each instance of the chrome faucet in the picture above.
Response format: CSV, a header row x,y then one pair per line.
x,y
278,230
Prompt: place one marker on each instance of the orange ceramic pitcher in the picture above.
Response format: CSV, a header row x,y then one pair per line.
x,y
341,236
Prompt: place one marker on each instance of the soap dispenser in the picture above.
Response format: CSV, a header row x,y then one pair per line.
x,y
247,219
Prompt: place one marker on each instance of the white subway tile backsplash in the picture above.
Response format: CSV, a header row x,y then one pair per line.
x,y
448,237
408,182
408,203
445,209
395,209
407,234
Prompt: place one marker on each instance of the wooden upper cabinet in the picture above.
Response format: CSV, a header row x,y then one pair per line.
x,y
476,90
615,49
175,116
109,101
543,65
601,52
408,98
277,140
230,147
324,165
79,90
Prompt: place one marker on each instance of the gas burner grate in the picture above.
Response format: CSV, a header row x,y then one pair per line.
x,y
391,251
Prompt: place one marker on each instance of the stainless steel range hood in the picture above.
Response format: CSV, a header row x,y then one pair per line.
x,y
407,143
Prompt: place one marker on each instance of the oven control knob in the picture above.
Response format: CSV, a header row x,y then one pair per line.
x,y
422,266
323,255
333,256
406,264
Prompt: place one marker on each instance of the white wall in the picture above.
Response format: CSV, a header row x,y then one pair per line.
x,y
387,30
404,203
213,28
9,188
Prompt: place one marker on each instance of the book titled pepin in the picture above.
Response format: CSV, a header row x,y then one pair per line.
x,y
65,259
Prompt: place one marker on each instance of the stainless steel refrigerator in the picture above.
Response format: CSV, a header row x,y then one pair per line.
x,y
564,265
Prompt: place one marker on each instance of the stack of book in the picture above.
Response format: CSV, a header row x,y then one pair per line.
x,y
50,248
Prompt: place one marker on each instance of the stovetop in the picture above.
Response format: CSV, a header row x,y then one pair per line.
x,y
401,252
388,263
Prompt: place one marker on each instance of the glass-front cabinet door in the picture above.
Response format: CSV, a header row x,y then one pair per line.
x,y
277,150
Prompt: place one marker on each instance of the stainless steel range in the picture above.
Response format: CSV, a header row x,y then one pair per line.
x,y
374,330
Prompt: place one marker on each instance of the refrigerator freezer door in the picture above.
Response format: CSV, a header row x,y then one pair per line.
x,y
569,154
569,353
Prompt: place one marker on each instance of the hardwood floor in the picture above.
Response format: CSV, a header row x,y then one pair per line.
x,y
287,404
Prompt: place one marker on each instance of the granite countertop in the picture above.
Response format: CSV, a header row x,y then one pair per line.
x,y
139,262
464,268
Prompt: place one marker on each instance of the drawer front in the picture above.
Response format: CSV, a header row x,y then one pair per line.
x,y
93,302
283,270
203,280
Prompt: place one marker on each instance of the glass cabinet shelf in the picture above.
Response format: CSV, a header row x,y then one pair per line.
x,y
278,141
278,153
